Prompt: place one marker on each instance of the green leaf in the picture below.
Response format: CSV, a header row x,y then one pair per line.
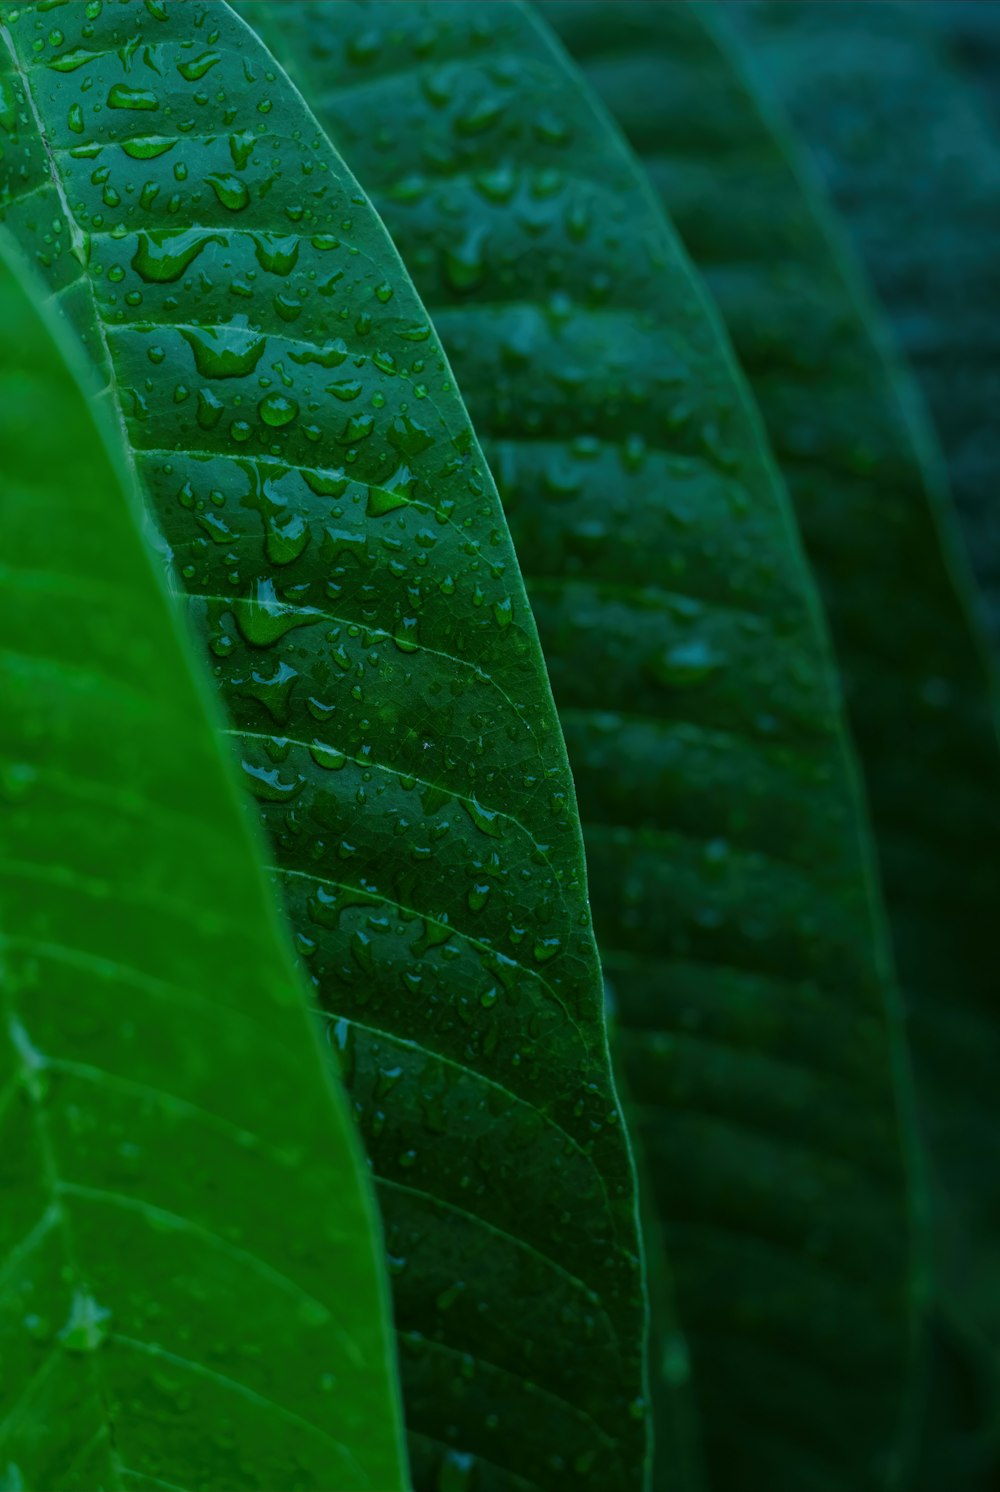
x,y
936,274
191,1286
874,509
970,32
728,861
314,474
913,163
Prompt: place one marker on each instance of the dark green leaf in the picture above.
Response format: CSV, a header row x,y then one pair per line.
x,y
191,1287
727,857
970,31
871,499
316,478
913,163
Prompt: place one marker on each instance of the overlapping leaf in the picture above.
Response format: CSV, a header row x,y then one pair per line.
x,y
913,163
874,510
191,1280
317,483
727,857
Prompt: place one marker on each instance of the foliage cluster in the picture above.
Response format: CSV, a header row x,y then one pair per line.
x,y
544,460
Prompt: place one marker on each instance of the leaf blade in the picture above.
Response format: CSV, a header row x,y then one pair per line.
x,y
554,333
871,495
310,463
119,810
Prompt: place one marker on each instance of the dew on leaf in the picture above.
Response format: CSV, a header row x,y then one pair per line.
x,y
231,192
88,1325
196,69
229,351
276,410
122,97
148,147
163,254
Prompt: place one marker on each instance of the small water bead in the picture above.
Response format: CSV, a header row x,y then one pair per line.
x,y
196,69
70,61
345,389
270,784
359,427
230,191
287,537
122,97
88,1325
210,407
686,663
409,436
287,308
465,262
546,948
478,896
277,411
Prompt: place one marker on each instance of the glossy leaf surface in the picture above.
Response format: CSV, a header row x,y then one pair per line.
x,y
874,510
316,479
727,856
191,1279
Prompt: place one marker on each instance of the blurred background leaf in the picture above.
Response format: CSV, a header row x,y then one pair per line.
x,y
911,157
871,496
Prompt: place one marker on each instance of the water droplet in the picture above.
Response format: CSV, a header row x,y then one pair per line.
x,y
225,351
231,192
546,948
480,117
262,618
70,61
87,1327
685,663
122,97
198,67
287,536
465,262
147,147
327,756
408,436
484,819
478,896
277,411
162,255
272,784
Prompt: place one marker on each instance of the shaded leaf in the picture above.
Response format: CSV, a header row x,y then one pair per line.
x,y
191,1285
913,163
872,500
971,33
873,508
316,480
727,854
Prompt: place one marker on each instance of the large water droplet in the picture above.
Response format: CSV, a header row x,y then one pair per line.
x,y
225,351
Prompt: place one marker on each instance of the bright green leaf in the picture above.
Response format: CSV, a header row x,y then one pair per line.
x,y
728,861
316,479
191,1288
